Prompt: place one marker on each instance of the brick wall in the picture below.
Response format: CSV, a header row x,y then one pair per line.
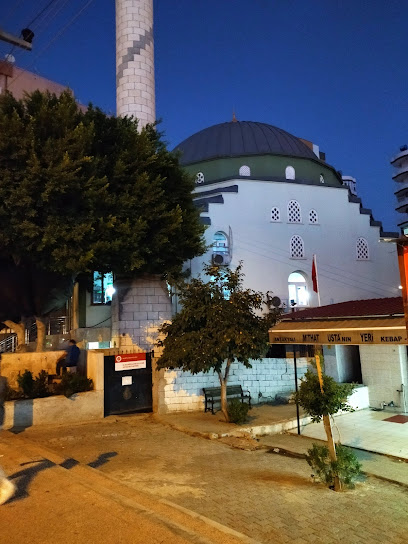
x,y
181,391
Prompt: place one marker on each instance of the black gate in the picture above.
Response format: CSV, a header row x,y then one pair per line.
x,y
127,390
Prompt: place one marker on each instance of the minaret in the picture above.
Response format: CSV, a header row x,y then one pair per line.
x,y
135,92
140,305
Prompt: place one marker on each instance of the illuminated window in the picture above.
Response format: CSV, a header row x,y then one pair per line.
x,y
244,171
275,215
290,172
200,177
298,295
294,214
321,178
102,289
297,249
220,243
362,249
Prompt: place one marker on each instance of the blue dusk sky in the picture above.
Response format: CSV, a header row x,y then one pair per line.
x,y
331,71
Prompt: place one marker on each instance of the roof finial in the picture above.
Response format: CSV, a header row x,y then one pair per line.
x,y
234,119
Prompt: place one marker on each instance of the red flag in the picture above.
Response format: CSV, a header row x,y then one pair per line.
x,y
314,275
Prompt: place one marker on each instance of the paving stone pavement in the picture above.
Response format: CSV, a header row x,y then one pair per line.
x,y
268,497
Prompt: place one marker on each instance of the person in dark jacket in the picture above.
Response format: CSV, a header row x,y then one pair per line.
x,y
69,358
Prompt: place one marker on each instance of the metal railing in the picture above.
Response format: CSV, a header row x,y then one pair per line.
x,y
8,344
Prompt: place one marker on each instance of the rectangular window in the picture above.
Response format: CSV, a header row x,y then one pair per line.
x,y
102,288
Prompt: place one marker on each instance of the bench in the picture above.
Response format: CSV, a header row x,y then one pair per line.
x,y
213,395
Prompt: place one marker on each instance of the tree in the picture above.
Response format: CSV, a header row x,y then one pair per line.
x,y
321,397
83,191
220,322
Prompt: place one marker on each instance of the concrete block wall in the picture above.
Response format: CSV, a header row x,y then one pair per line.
x,y
181,391
382,369
135,90
139,307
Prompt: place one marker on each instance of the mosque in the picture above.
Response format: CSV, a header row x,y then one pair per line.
x,y
269,199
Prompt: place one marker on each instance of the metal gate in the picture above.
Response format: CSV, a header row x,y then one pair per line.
x,y
129,389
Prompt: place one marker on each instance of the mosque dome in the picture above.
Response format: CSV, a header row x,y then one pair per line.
x,y
241,138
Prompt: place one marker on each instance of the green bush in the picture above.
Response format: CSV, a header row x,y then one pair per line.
x,y
237,411
31,388
26,383
347,467
73,383
317,404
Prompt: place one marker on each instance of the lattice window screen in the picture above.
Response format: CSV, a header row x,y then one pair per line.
x,y
313,216
294,215
244,171
275,214
362,249
200,177
297,248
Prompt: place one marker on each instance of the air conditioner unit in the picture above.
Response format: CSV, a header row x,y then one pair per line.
x,y
221,259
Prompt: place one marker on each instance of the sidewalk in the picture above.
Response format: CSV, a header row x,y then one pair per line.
x,y
265,428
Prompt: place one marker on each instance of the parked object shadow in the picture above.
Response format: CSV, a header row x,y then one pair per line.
x,y
102,459
23,478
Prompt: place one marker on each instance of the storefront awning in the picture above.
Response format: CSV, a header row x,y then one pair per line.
x,y
384,330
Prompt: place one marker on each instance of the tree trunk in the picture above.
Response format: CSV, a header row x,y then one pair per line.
x,y
223,383
19,329
40,334
327,427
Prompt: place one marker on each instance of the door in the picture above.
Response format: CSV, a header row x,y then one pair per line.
x,y
128,387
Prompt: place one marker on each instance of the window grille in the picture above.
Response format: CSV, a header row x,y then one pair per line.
x,y
200,177
297,249
244,170
294,215
313,217
275,214
362,249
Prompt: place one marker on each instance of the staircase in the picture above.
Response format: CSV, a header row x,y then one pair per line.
x,y
8,344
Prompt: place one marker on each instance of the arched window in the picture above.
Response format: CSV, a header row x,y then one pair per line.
x,y
298,295
244,170
297,248
200,177
321,178
275,215
362,249
294,215
220,243
313,219
290,172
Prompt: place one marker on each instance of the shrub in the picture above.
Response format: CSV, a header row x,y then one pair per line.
x,y
237,411
73,383
318,404
347,467
26,383
41,385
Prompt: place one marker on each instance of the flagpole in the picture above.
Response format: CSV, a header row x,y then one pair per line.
x,y
317,278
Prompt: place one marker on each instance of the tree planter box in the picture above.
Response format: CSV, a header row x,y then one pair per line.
x,y
54,410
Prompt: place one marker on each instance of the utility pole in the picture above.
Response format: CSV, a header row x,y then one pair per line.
x,y
18,42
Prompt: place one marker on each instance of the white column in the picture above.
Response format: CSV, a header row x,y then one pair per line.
x,y
135,92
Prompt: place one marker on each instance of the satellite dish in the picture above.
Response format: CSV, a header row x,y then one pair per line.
x,y
276,302
10,58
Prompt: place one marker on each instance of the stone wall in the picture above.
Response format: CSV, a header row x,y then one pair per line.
x,y
181,391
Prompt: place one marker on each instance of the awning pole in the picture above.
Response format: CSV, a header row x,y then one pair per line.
x,y
296,388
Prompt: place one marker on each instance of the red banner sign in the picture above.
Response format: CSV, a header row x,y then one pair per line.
x,y
130,361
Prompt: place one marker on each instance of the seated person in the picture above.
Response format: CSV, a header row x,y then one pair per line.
x,y
69,358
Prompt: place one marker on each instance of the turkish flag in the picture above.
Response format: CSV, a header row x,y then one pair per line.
x,y
314,275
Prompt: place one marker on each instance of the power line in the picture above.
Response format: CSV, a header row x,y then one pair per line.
x,y
70,22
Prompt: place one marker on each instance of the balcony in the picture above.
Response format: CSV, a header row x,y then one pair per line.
x,y
400,159
401,173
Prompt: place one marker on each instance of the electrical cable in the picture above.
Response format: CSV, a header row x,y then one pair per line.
x,y
70,22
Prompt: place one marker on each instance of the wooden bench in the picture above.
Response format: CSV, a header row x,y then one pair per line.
x,y
213,395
